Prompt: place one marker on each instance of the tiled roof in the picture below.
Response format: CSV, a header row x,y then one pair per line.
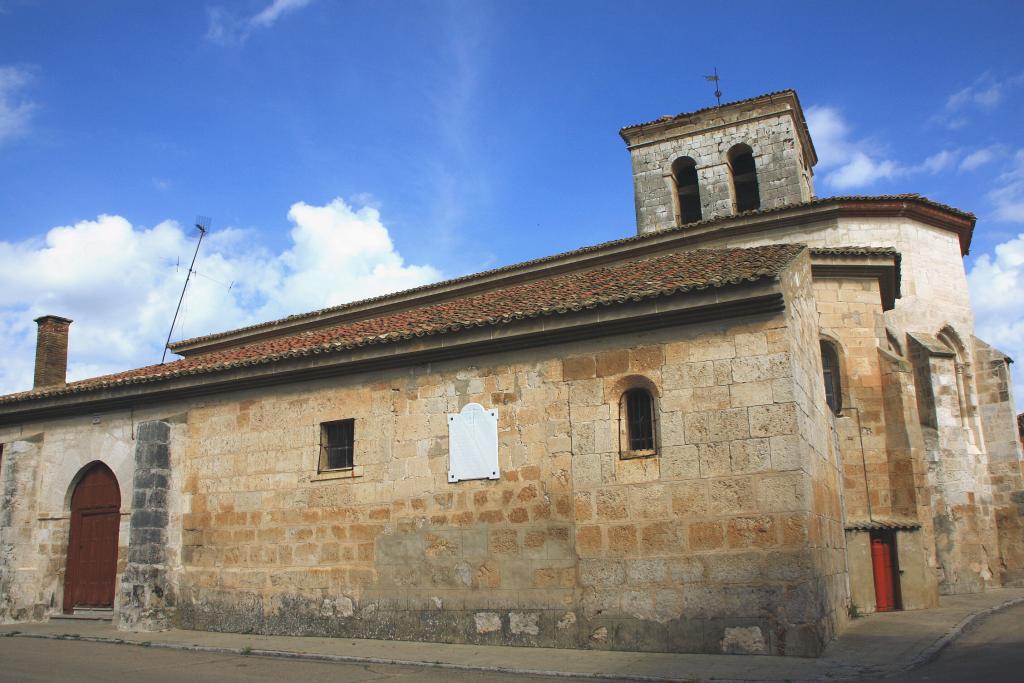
x,y
855,251
701,111
620,283
824,201
906,196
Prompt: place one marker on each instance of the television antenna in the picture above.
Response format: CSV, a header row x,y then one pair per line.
x,y
202,225
716,80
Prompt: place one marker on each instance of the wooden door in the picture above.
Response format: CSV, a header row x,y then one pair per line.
x,y
883,564
92,545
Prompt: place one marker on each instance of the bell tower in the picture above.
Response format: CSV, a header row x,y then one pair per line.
x,y
721,161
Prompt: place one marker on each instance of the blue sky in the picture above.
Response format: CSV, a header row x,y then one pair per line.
x,y
348,148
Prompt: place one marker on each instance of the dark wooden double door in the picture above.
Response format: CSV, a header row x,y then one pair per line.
x,y
92,545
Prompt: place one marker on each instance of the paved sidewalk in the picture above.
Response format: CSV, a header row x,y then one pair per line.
x,y
873,647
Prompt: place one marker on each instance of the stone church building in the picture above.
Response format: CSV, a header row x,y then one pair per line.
x,y
762,414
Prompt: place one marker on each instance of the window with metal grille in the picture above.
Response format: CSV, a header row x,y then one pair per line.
x,y
337,445
684,171
744,178
639,420
830,373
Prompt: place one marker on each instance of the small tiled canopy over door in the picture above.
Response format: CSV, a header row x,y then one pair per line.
x,y
92,548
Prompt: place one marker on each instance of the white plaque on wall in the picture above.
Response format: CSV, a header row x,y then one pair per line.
x,y
473,444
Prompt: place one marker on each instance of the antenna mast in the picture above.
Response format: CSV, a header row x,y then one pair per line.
x,y
202,225
718,91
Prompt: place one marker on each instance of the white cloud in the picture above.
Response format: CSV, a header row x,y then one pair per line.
x,y
849,163
860,170
1008,196
227,29
985,94
979,158
120,285
270,14
15,112
996,282
936,162
987,97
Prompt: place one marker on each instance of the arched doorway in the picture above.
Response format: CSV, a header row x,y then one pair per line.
x,y
92,545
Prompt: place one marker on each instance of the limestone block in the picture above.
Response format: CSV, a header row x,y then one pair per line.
x,y
749,455
782,493
751,394
734,495
786,452
746,640
487,622
679,462
715,459
689,499
732,424
773,420
602,573
646,572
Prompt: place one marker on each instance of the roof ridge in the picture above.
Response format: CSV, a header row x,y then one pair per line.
x,y
635,280
310,315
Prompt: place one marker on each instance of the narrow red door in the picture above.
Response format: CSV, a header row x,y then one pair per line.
x,y
884,570
92,546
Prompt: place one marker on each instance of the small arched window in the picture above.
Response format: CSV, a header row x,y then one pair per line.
x,y
830,372
638,418
744,178
684,173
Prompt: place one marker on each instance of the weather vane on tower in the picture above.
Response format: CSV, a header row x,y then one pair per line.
x,y
718,91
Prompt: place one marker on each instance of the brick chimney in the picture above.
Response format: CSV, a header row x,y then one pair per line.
x,y
51,351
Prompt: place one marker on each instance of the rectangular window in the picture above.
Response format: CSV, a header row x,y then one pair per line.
x,y
640,417
337,445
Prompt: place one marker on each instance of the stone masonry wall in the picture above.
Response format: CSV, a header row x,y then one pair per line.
x,y
905,443
967,548
782,172
701,548
932,270
884,472
42,464
931,265
823,600
850,315
996,407
20,595
147,592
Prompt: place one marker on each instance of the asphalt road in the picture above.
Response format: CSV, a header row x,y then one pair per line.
x,y
32,659
991,650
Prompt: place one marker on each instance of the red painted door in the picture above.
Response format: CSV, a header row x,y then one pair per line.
x,y
884,568
92,546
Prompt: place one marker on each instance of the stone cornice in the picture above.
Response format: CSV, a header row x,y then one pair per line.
x,y
699,118
754,299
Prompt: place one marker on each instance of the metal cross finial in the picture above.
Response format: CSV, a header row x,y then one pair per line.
x,y
718,91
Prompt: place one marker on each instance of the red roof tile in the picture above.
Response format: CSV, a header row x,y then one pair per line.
x,y
819,202
615,284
